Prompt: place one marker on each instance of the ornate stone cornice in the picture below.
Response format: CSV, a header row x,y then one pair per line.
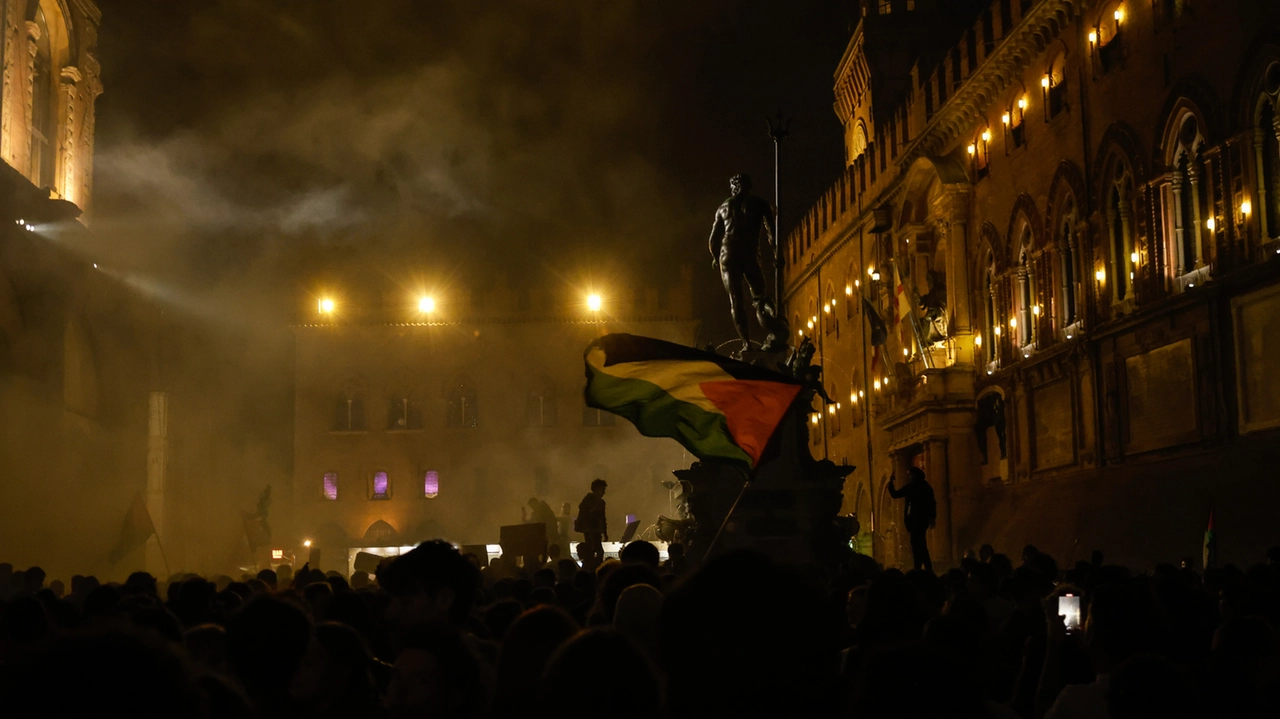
x,y
1040,26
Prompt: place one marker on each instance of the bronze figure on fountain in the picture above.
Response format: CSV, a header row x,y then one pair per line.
x,y
735,249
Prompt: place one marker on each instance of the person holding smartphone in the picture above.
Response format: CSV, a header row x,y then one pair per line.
x,y
919,514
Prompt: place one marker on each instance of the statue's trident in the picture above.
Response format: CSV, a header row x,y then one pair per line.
x,y
778,130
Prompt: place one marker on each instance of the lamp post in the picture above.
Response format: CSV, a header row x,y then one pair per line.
x,y
778,130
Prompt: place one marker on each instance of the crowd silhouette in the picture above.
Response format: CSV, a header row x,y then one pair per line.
x,y
436,635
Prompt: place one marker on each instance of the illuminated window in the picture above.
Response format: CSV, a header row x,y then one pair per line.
x,y
430,483
330,485
463,409
1055,93
592,417
381,486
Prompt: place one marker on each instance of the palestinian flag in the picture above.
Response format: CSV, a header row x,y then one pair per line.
x,y
1210,553
718,408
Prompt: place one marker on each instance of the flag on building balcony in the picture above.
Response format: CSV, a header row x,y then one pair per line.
x,y
135,532
901,309
718,408
1210,554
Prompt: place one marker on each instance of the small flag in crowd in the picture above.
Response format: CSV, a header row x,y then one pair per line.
x,y
1210,556
137,529
716,407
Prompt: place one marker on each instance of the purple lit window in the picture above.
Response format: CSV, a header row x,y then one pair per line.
x,y
330,485
381,486
430,484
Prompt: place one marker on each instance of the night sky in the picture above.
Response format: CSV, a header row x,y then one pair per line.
x,y
241,143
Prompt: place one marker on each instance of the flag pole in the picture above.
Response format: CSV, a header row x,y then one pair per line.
x,y
168,572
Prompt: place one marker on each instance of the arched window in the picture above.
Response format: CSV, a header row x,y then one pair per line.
x,y
463,409
44,146
403,413
348,412
980,153
1054,85
329,486
1185,197
1108,34
1014,121
380,485
540,410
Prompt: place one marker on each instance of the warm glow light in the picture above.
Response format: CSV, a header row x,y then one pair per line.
x,y
1005,118
1246,207
996,329
306,542
426,304
1133,257
1100,275
277,554
1013,323
326,306
857,283
810,324
814,419
1093,37
594,303
986,136
875,276
800,333
1035,310
1118,14
826,308
886,381
977,340
1211,224
1022,103
973,149
861,393
848,290
871,272
814,318
876,385
831,409
905,353
1044,82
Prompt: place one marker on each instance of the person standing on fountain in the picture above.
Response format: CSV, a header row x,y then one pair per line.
x,y
591,521
919,514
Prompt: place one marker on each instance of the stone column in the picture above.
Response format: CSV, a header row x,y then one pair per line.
x,y
157,472
1179,232
1260,163
941,541
1126,248
1197,234
958,296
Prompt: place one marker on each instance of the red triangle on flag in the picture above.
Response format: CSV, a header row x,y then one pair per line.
x,y
752,409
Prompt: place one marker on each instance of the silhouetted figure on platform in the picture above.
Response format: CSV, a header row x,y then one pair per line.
x,y
918,516
591,521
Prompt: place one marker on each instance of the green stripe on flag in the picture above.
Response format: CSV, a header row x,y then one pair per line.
x,y
656,413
